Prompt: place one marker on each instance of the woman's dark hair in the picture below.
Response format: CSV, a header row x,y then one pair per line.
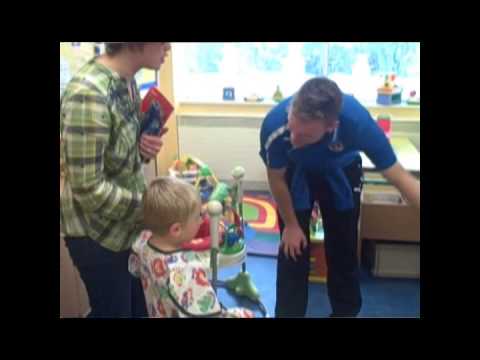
x,y
113,48
318,98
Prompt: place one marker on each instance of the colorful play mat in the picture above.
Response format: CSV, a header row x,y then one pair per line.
x,y
261,230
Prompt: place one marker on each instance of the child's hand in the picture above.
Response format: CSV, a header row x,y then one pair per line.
x,y
239,313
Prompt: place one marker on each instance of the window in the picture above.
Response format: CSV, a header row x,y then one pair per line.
x,y
359,68
202,70
73,55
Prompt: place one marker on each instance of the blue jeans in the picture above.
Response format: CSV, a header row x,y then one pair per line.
x,y
113,292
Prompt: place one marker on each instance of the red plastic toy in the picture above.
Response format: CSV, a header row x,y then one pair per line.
x,y
385,123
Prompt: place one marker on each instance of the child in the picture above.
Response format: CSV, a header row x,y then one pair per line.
x,y
174,280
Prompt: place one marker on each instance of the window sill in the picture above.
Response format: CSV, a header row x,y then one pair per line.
x,y
242,109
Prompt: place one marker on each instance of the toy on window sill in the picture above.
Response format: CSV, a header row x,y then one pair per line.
x,y
229,94
277,96
384,121
389,93
253,98
413,99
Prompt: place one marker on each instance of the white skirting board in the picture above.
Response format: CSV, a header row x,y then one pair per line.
x,y
224,144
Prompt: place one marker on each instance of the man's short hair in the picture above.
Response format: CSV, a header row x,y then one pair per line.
x,y
319,98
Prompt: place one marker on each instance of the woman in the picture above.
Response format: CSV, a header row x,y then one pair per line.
x,y
102,153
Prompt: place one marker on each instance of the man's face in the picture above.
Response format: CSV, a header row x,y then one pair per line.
x,y
304,132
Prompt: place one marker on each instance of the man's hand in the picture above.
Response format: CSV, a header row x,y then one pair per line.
x,y
405,182
293,241
150,145
293,238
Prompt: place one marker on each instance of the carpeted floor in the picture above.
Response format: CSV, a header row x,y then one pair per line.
x,y
262,234
381,297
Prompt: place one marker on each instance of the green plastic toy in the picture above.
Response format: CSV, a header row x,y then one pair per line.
x,y
278,96
242,285
220,192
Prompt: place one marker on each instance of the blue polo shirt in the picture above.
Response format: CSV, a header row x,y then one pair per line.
x,y
357,131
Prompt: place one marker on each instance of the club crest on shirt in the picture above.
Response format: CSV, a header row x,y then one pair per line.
x,y
336,146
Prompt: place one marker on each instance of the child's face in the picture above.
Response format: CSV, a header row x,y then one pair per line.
x,y
190,228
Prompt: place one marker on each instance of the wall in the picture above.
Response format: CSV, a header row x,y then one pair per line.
x,y
224,143
225,136
169,151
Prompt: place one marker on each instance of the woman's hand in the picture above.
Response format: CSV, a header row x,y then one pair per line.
x,y
150,145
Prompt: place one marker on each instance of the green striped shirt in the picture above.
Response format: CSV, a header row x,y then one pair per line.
x,y
104,180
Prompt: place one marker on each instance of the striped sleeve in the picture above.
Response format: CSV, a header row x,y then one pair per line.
x,y
86,132
273,149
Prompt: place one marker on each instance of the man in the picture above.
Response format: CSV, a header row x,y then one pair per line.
x,y
310,145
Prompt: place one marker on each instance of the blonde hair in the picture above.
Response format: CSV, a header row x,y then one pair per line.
x,y
167,201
